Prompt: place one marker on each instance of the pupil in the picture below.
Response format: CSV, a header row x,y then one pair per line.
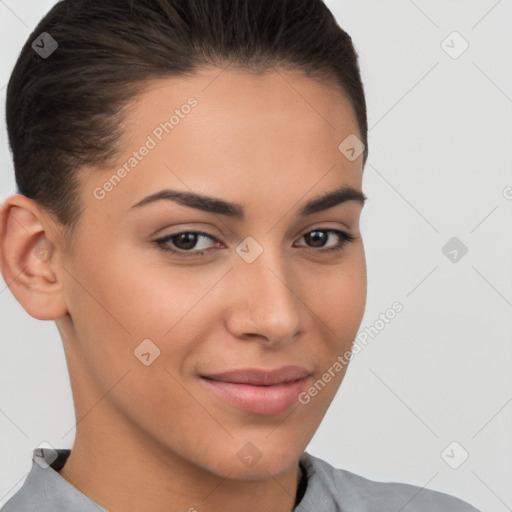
x,y
317,236
189,240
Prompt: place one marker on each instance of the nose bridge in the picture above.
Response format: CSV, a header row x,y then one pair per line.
x,y
266,302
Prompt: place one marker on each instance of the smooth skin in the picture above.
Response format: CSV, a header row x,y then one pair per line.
x,y
156,437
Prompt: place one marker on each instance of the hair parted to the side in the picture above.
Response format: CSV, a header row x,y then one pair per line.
x,y
66,112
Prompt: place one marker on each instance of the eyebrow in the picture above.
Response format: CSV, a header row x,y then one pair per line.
x,y
236,211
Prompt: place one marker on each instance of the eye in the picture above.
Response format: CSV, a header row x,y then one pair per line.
x,y
185,241
319,237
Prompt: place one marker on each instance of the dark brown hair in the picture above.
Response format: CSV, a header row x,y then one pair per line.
x,y
64,112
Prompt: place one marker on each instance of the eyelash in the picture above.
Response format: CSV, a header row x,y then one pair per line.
x,y
163,243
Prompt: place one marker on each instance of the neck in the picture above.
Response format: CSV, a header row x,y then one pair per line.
x,y
121,471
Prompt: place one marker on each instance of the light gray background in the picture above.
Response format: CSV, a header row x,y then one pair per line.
x,y
440,164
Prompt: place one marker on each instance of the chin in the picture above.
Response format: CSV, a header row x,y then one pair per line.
x,y
249,461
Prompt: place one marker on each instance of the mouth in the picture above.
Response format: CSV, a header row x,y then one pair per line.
x,y
263,392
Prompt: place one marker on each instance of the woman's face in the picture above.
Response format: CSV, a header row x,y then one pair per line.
x,y
156,335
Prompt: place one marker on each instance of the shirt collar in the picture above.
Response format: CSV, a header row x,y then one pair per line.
x,y
45,490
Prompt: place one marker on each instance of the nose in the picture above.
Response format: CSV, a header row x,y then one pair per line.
x,y
266,305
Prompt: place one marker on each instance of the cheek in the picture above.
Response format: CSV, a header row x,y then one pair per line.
x,y
338,296
141,295
339,300
124,304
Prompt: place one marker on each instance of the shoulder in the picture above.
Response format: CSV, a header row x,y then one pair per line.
x,y
344,491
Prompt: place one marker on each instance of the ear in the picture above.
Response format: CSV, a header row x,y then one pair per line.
x,y
27,258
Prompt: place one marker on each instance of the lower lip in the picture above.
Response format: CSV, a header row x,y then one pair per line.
x,y
263,400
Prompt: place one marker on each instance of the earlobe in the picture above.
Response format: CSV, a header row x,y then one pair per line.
x,y
27,259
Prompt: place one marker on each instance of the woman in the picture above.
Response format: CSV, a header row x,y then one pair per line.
x,y
190,188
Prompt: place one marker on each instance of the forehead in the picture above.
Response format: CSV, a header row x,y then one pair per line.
x,y
235,98
232,134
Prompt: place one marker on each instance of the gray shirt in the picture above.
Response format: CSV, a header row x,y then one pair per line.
x,y
328,490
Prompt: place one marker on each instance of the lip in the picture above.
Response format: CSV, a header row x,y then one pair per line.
x,y
263,392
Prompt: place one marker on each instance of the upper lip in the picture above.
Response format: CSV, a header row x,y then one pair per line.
x,y
259,377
